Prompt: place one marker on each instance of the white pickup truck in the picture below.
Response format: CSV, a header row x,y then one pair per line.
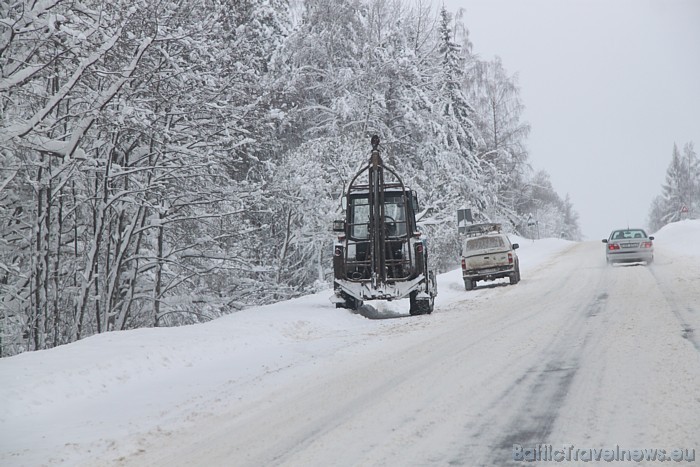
x,y
488,254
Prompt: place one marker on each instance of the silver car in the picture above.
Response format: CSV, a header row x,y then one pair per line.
x,y
629,246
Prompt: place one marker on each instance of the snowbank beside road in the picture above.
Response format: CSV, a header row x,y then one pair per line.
x,y
681,237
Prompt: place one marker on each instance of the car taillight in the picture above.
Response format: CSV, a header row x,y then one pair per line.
x,y
613,246
646,244
510,258
464,264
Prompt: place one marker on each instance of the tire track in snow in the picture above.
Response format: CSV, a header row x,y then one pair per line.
x,y
539,393
321,418
482,375
636,385
683,310
532,400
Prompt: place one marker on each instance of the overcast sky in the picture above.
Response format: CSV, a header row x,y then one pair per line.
x,y
608,85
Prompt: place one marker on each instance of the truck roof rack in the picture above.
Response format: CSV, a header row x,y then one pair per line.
x,y
475,230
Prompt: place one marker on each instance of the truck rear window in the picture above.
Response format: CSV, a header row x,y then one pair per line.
x,y
483,243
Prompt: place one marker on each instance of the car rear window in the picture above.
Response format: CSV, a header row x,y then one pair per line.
x,y
627,234
482,243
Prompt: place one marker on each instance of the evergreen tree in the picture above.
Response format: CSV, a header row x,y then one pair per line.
x,y
453,102
680,191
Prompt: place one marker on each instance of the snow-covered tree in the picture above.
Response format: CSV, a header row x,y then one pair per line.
x,y
680,190
502,153
545,211
131,139
452,101
163,163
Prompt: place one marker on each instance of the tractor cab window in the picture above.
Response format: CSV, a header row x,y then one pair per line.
x,y
395,215
358,211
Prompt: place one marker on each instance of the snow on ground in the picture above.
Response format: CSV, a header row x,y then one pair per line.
x,y
62,401
680,237
98,401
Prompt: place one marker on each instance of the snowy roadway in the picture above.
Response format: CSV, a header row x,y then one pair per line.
x,y
579,353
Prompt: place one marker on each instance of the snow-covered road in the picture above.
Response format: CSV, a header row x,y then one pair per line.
x,y
579,353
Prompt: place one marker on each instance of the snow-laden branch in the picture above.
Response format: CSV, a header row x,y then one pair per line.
x,y
8,180
108,96
23,129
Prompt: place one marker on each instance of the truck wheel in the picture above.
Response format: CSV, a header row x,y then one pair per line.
x,y
469,284
515,276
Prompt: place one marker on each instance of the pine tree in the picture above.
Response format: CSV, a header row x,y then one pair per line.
x,y
680,191
693,167
454,104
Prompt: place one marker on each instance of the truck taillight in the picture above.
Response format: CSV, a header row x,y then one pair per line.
x,y
510,258
464,264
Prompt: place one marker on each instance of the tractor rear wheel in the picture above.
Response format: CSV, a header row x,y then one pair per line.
x,y
421,306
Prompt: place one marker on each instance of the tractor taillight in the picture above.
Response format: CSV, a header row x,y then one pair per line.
x,y
338,251
419,248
